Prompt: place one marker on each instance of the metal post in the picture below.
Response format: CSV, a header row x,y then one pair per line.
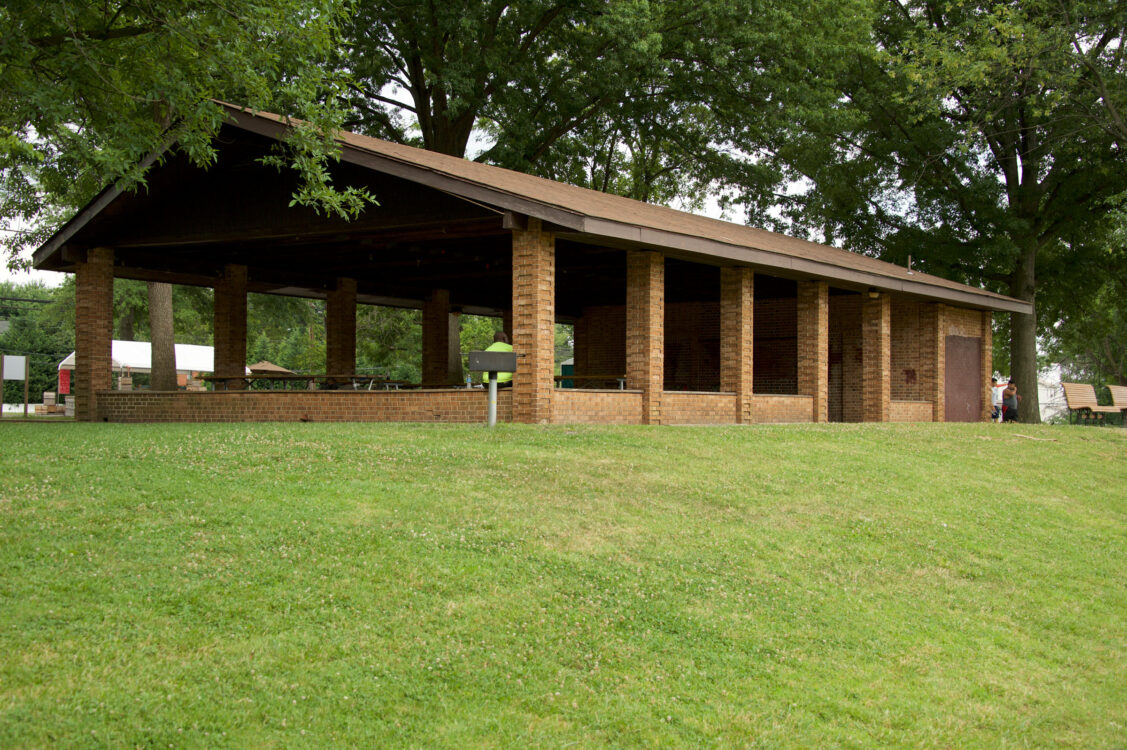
x,y
492,399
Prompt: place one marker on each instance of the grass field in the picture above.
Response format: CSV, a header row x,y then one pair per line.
x,y
442,586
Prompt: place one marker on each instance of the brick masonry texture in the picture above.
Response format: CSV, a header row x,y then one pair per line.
x,y
93,316
645,323
340,328
875,375
909,411
844,401
230,336
813,342
454,405
596,407
737,338
534,315
679,407
782,409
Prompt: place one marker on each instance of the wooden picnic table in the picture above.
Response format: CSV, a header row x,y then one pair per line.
x,y
309,381
620,378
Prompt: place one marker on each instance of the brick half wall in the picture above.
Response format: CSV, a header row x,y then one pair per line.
x,y
451,406
596,407
699,408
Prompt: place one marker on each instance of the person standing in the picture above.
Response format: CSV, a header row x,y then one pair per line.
x,y
1010,402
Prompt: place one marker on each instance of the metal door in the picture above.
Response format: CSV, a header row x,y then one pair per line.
x,y
963,386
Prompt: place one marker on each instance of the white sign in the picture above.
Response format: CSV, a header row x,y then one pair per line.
x,y
15,368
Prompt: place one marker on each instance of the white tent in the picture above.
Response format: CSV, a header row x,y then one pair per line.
x,y
136,356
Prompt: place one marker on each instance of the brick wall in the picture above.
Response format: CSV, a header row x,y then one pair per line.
x,y
692,346
775,359
906,342
876,367
596,407
600,341
813,310
909,411
783,409
93,319
737,337
698,408
455,405
845,359
645,323
534,317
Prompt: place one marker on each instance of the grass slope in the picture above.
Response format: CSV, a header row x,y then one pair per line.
x,y
807,586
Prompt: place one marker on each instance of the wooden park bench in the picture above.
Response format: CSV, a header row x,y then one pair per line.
x,y
1081,398
1119,399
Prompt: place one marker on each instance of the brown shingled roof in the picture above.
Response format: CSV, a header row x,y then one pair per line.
x,y
613,217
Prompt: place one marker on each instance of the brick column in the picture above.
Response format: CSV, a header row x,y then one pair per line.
x,y
93,317
230,336
436,337
938,326
737,337
340,329
534,323
929,372
814,345
987,361
645,329
876,367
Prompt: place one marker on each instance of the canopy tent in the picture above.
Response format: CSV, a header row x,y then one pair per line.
x,y
136,356
269,368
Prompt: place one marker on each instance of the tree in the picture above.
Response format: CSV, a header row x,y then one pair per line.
x,y
975,138
659,101
162,350
91,90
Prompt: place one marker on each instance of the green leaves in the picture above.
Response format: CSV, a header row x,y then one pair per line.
x,y
89,89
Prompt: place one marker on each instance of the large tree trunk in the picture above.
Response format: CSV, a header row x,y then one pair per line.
x,y
163,375
125,326
1023,334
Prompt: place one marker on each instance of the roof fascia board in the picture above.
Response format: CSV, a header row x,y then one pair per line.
x,y
424,176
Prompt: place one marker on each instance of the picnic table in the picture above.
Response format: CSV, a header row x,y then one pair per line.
x,y
307,382
605,378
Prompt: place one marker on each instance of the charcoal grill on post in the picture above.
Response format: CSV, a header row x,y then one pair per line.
x,y
493,363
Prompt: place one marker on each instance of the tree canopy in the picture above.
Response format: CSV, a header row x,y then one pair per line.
x,y
91,90
981,140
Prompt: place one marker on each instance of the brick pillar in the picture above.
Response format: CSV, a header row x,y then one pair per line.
x,y
534,323
987,361
645,329
737,337
929,372
93,316
939,354
230,336
876,367
436,337
814,345
340,329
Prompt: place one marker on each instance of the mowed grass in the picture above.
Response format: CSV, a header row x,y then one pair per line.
x,y
444,586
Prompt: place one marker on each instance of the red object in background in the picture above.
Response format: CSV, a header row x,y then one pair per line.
x,y
64,382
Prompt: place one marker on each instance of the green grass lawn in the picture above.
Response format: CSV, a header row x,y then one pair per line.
x,y
444,586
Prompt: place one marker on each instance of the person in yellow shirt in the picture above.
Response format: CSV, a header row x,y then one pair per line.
x,y
500,344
